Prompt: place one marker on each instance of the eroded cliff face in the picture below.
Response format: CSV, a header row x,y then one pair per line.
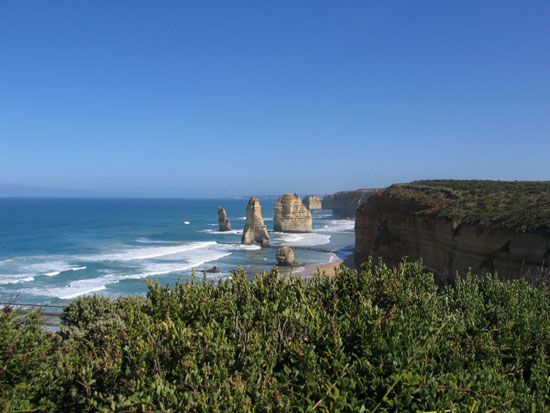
x,y
291,215
312,202
254,231
346,203
400,222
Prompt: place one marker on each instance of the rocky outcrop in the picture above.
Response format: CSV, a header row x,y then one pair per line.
x,y
345,203
312,202
254,231
291,215
285,257
406,221
223,220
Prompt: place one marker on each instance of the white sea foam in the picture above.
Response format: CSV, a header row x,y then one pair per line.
x,y
49,266
15,278
301,240
81,287
238,247
231,232
287,237
336,225
144,240
322,215
148,252
152,263
74,289
156,268
152,258
190,260
54,273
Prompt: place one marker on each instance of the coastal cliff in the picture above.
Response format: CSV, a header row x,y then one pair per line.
x,y
487,226
312,202
345,203
291,215
254,231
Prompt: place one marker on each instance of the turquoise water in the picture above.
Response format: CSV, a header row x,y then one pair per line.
x,y
53,250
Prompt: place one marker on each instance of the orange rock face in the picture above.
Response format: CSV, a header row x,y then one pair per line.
x,y
399,222
291,215
254,231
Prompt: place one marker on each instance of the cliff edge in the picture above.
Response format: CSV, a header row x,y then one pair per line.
x,y
345,203
487,226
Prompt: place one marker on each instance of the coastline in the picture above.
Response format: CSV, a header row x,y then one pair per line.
x,y
113,254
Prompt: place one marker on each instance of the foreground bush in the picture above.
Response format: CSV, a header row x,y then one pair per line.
x,y
378,340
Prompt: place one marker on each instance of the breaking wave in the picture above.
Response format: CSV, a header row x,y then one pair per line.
x,y
336,225
148,252
300,240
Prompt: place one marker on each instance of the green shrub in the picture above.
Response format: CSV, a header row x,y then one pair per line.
x,y
377,339
515,205
27,357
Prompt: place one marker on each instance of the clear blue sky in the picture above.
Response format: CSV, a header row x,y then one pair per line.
x,y
179,98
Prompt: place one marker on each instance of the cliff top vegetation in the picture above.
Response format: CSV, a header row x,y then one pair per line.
x,y
380,339
516,205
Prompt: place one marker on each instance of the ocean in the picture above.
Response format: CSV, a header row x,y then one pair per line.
x,y
54,250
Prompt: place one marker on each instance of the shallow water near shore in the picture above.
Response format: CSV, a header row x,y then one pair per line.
x,y
53,250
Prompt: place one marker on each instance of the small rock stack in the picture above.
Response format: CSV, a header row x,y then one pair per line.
x,y
285,257
223,220
312,202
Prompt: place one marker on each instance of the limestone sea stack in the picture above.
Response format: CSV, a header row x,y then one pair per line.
x,y
312,202
285,257
223,220
254,231
291,215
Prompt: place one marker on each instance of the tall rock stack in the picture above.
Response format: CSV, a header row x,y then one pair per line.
x,y
223,220
312,202
254,231
291,215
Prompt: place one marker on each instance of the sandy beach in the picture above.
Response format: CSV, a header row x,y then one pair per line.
x,y
326,269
